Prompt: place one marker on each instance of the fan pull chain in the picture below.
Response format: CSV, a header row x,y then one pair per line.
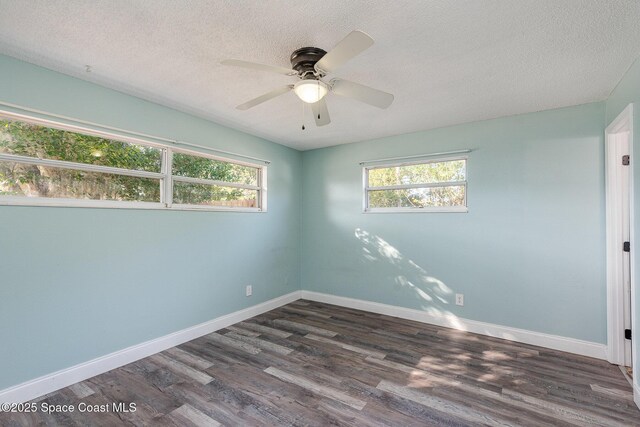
x,y
318,97
303,128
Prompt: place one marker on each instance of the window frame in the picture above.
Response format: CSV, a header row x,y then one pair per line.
x,y
434,209
165,176
261,186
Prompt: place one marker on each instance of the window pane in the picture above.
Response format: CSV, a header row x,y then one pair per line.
x,y
425,173
417,197
213,195
31,140
205,168
42,181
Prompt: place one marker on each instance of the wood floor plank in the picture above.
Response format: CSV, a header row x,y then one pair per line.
x,y
152,374
188,358
317,388
412,370
81,390
339,326
224,355
473,339
360,317
262,344
304,328
614,392
213,402
355,349
264,329
242,331
180,368
240,345
252,406
305,312
188,415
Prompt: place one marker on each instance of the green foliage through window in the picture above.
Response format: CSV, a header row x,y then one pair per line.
x,y
205,168
34,178
26,139
18,179
213,195
433,184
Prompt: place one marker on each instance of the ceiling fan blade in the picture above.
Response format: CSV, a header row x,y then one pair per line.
x,y
362,93
262,67
267,96
347,48
321,113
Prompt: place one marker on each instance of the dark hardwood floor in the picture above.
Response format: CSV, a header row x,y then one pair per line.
x,y
315,364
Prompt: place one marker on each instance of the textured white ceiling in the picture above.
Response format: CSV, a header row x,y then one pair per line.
x,y
446,62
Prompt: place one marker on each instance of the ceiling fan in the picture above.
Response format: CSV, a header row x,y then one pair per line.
x,y
311,65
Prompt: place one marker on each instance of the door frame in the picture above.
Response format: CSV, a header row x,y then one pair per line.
x,y
615,285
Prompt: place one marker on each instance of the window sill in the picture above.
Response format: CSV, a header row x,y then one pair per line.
x,y
452,209
108,204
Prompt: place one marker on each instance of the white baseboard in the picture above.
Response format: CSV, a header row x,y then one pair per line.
x,y
570,345
63,378
636,395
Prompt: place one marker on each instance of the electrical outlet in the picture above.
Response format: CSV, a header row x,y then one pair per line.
x,y
459,299
249,290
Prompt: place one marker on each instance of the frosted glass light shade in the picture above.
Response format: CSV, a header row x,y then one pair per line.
x,y
310,91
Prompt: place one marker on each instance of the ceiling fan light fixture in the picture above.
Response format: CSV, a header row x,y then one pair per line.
x,y
311,90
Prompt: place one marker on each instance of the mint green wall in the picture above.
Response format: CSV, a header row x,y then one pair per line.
x,y
626,92
79,283
529,254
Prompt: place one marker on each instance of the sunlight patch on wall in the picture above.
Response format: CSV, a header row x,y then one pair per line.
x,y
410,274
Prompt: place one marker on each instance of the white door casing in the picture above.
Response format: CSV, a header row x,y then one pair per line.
x,y
619,229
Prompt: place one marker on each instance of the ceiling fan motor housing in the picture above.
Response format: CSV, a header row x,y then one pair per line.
x,y
303,60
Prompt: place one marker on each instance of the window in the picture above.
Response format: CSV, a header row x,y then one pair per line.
x,y
60,165
205,181
437,185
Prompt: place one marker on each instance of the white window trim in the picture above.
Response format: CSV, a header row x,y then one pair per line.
x,y
164,176
435,209
84,167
